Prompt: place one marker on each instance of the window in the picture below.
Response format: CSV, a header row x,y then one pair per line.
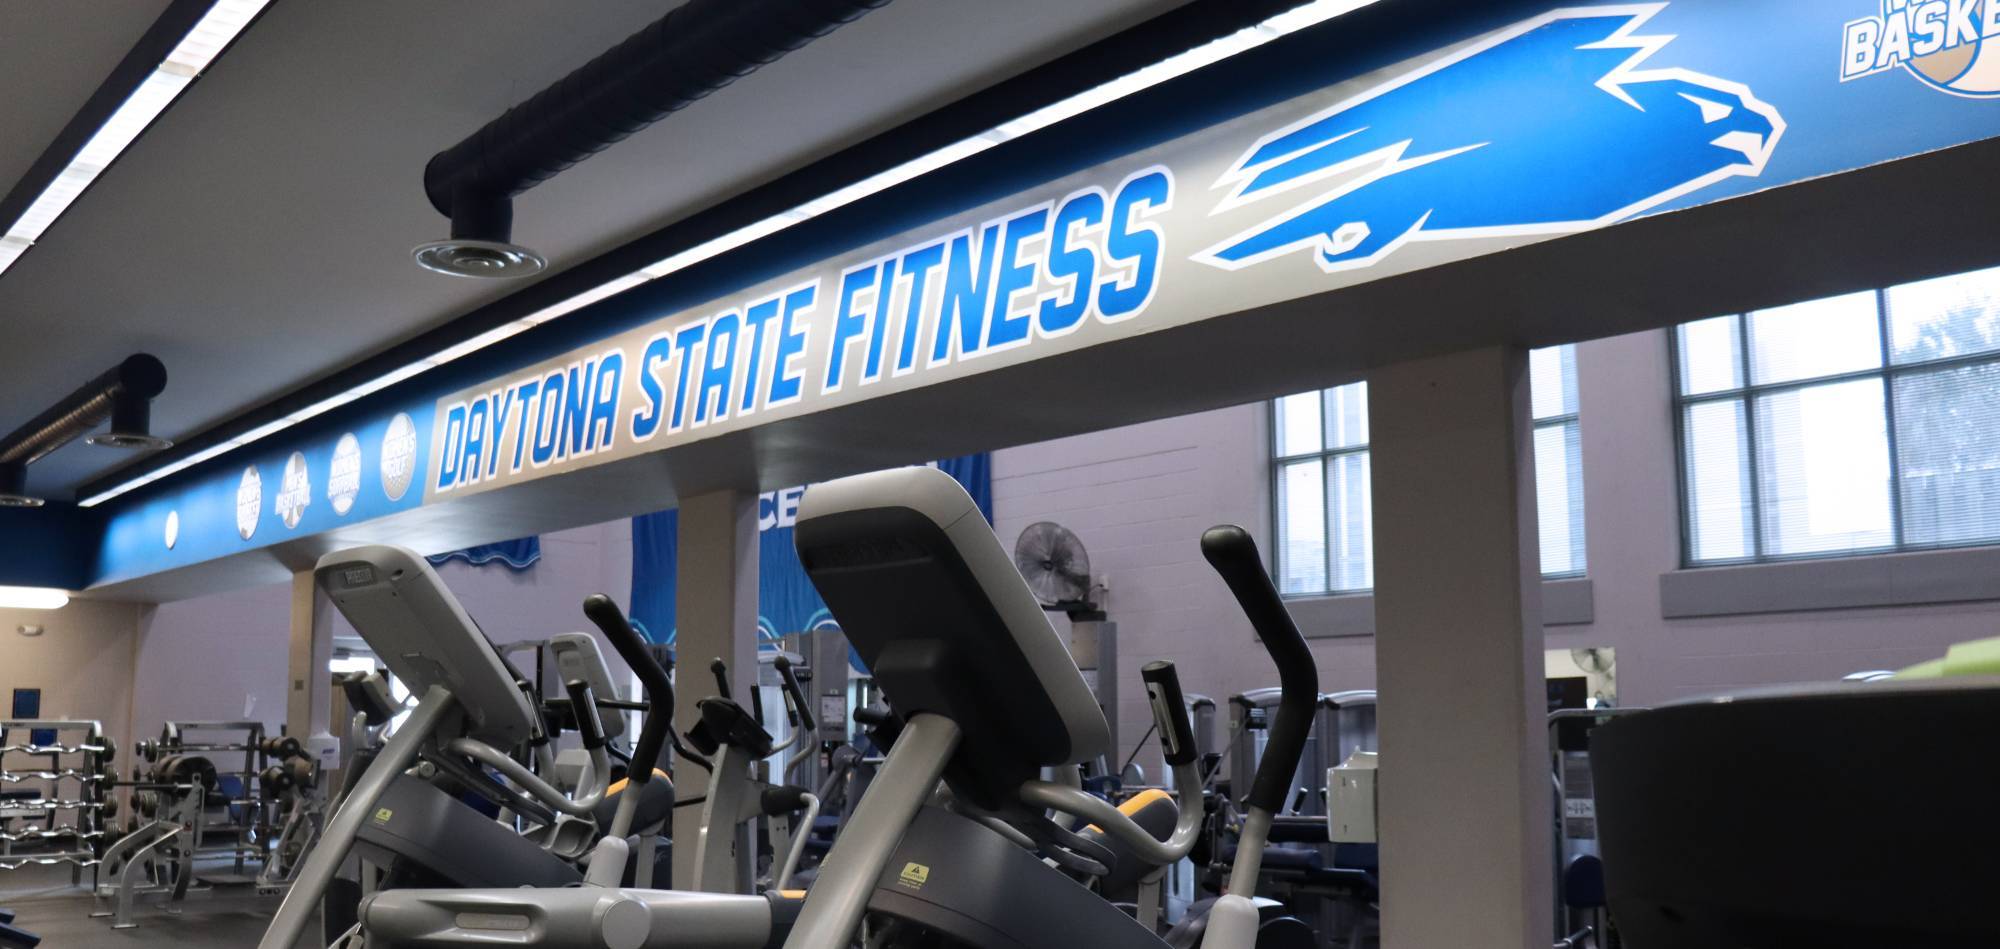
x,y
1326,531
1860,423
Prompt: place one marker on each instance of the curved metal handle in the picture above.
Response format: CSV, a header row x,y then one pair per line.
x,y
1233,554
720,670
796,708
1163,690
606,615
583,707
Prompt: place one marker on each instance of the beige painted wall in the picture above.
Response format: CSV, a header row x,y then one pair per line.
x,y
82,661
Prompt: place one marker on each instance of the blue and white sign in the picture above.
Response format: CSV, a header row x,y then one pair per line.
x,y
249,502
343,478
1558,122
294,491
1325,160
399,456
1508,137
1941,43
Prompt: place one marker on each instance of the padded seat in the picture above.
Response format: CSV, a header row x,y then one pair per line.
x,y
1153,810
656,803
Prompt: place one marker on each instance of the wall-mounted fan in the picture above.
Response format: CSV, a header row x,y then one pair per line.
x,y
1057,568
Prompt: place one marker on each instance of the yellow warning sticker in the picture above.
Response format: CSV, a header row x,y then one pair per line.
x,y
382,815
915,875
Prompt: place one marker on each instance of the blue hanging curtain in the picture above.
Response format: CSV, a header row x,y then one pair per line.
x,y
786,600
515,554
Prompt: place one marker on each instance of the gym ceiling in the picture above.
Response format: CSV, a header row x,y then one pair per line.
x,y
258,235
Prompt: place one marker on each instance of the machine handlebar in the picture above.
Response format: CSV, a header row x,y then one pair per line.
x,y
606,615
1233,554
720,670
588,726
1163,689
796,708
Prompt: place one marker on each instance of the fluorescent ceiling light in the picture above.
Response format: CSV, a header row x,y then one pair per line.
x,y
32,598
1310,14
195,52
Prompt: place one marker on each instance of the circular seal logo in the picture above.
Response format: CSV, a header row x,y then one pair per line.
x,y
343,480
399,456
249,502
294,491
173,528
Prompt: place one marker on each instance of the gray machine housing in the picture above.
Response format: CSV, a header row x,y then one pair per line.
x,y
402,609
415,821
954,876
961,636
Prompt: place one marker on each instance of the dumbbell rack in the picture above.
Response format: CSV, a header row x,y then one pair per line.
x,y
63,823
176,790
246,823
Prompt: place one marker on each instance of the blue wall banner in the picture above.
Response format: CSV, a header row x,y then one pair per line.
x,y
513,554
786,600
1349,152
1515,130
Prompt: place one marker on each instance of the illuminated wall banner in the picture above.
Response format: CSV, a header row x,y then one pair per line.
x,y
1575,119
1502,124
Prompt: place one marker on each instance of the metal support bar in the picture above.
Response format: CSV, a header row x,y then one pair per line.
x,y
303,899
828,920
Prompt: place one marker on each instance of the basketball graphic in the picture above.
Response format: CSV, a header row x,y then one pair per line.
x,y
1969,68
1943,43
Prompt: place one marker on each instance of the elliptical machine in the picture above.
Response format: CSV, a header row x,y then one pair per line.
x,y
474,712
988,696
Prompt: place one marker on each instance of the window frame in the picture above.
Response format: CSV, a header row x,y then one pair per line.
x,y
1567,418
1748,392
1276,464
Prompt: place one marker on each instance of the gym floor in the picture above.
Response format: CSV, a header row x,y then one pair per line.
x,y
48,906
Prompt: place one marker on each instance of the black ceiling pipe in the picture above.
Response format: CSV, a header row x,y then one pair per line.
x,y
694,50
123,394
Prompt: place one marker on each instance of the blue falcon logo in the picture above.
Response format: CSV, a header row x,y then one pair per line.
x,y
1548,127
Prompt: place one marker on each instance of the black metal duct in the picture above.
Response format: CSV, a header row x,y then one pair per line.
x,y
698,48
123,394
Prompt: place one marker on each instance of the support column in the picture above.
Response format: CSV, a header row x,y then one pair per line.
x,y
1465,820
715,617
309,699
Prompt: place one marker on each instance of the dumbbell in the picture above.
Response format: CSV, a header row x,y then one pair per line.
x,y
186,769
285,775
274,780
283,746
